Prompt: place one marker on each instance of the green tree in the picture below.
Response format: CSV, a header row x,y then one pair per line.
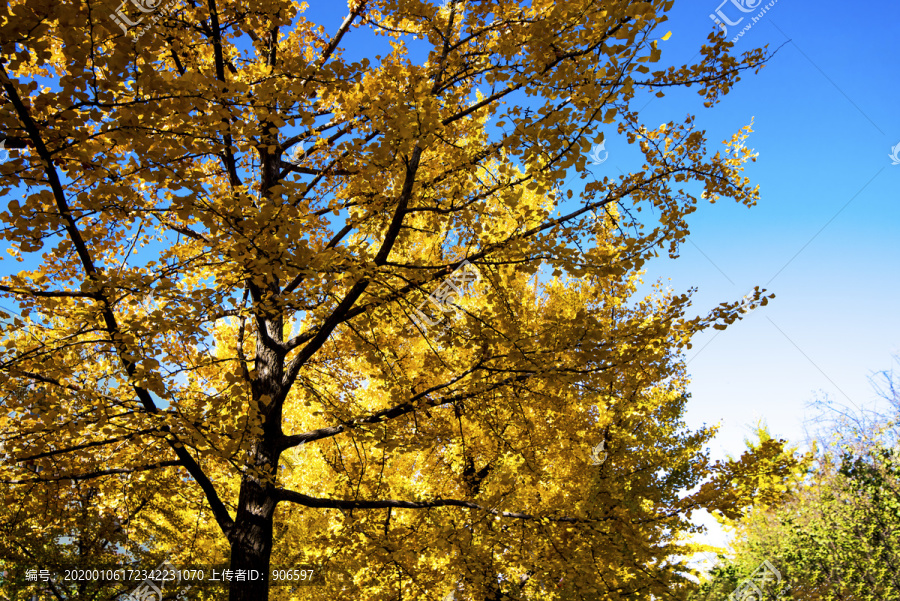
x,y
836,536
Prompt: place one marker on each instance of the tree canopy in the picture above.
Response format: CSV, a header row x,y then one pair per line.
x,y
833,533
229,224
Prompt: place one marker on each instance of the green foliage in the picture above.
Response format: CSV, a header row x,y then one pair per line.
x,y
837,536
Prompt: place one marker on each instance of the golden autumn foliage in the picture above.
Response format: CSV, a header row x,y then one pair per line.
x,y
228,224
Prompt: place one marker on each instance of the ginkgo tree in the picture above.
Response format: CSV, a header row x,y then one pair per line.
x,y
238,223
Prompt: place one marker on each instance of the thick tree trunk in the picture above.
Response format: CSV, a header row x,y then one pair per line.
x,y
251,541
252,534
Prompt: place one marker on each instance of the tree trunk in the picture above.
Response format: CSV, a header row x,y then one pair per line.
x,y
251,541
252,533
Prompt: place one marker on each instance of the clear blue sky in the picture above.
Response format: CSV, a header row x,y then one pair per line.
x,y
824,236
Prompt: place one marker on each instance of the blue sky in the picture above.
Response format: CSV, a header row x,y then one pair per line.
x,y
823,237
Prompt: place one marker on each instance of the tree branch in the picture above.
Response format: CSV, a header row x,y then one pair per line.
x,y
218,508
89,445
394,412
96,474
338,316
307,501
48,293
